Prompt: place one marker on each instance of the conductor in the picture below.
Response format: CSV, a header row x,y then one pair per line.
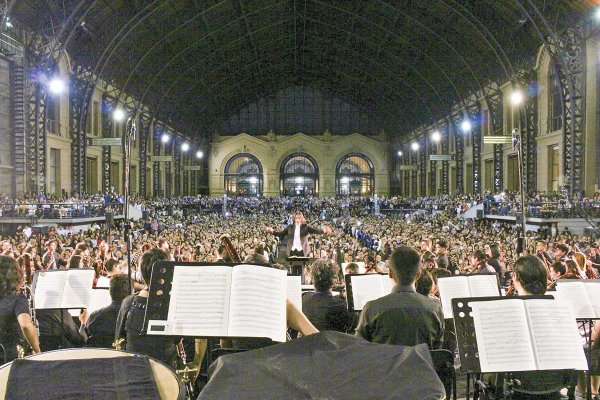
x,y
297,235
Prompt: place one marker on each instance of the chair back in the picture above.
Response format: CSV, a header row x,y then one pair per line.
x,y
443,363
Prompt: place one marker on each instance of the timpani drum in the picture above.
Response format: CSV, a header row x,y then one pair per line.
x,y
169,385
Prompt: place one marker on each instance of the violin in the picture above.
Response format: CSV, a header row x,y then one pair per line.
x,y
230,249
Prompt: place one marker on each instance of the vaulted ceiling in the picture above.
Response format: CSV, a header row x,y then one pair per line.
x,y
199,62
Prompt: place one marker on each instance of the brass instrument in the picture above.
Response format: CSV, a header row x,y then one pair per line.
x,y
118,344
186,374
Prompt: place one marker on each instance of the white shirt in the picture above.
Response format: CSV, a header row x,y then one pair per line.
x,y
297,245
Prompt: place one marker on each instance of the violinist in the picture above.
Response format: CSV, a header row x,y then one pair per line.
x,y
479,263
541,251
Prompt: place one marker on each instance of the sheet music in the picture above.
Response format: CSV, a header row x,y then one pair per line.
x,y
257,306
576,296
199,303
483,285
503,337
294,290
78,288
366,288
100,298
452,288
593,290
49,287
555,337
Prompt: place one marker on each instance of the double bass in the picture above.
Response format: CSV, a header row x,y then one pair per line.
x,y
230,249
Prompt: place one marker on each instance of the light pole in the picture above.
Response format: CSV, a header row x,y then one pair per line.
x,y
516,98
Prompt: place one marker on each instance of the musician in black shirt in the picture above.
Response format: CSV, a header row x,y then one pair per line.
x,y
102,322
15,319
326,311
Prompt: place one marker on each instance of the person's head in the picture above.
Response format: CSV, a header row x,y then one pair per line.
x,y
494,250
557,269
119,287
404,265
51,245
323,273
540,246
530,276
299,218
581,259
256,258
352,268
573,268
478,256
148,260
163,244
111,265
441,246
11,276
561,249
75,261
426,244
428,261
424,284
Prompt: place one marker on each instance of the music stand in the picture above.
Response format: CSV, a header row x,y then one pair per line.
x,y
297,265
466,338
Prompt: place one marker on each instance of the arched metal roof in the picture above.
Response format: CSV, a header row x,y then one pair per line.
x,y
199,61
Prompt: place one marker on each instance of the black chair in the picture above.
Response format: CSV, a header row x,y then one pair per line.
x,y
443,363
535,385
102,342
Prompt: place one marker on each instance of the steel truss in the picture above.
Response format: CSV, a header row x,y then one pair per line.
x,y
456,119
144,132
445,131
432,170
529,127
169,152
79,81
19,123
157,132
414,174
177,164
570,49
422,164
108,106
473,111
186,160
494,99
406,159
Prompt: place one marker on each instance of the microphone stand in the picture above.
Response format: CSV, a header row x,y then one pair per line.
x,y
129,137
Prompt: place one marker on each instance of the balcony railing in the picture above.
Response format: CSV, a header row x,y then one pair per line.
x,y
59,210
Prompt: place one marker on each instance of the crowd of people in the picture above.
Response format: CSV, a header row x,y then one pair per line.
x,y
415,249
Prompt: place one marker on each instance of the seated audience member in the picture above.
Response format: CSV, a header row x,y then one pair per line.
x,y
404,317
101,323
324,310
15,319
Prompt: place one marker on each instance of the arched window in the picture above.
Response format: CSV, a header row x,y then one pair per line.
x,y
299,175
243,176
355,176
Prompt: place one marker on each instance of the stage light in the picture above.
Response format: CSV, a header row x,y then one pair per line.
x,y
345,180
185,147
414,146
516,97
8,23
165,138
597,14
436,136
199,154
399,153
299,180
119,115
466,125
56,86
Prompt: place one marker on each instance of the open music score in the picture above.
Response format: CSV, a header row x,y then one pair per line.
x,y
294,290
476,285
520,334
221,301
100,298
363,288
582,295
63,289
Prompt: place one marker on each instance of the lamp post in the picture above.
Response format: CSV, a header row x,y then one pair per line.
x,y
516,99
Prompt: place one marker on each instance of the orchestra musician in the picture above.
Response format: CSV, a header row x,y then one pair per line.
x,y
15,317
296,235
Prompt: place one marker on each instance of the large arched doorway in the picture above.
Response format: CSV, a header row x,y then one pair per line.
x,y
355,176
299,175
243,176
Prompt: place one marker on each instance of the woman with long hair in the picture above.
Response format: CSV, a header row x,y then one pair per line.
x,y
15,317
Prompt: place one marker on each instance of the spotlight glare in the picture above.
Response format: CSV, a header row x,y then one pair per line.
x,y
399,153
199,154
56,86
516,97
597,14
119,114
414,146
436,136
466,125
165,138
185,147
8,23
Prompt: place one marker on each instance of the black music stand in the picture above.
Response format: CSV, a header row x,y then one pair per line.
x,y
468,351
297,265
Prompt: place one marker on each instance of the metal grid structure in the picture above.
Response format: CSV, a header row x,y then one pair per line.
x,y
445,131
459,147
494,100
422,163
473,112
157,131
177,164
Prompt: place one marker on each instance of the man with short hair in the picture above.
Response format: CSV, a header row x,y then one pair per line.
x,y
561,251
403,317
441,249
